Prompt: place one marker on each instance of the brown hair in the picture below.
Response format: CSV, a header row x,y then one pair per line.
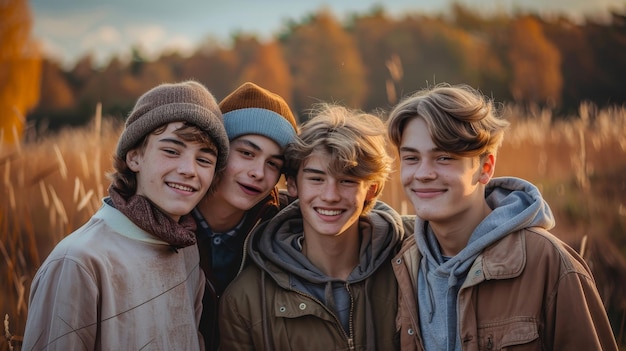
x,y
460,119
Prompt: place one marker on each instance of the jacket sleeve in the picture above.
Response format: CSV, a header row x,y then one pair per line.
x,y
63,308
235,329
579,318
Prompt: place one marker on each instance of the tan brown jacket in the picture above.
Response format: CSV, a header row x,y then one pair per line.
x,y
528,291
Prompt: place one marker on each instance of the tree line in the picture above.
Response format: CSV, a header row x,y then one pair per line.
x,y
367,61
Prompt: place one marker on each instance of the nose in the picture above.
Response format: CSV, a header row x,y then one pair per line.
x,y
330,191
187,166
425,171
257,171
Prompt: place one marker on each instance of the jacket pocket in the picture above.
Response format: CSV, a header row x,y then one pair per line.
x,y
519,333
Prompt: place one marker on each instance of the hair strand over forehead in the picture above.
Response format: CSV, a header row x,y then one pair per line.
x,y
460,119
355,142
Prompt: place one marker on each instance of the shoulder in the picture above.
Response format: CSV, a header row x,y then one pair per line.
x,y
544,249
246,284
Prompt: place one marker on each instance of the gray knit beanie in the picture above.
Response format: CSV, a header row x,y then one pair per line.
x,y
251,109
188,101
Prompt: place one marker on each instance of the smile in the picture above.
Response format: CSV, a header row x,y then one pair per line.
x,y
328,212
180,187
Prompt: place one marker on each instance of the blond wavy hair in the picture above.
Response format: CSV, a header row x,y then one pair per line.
x,y
354,140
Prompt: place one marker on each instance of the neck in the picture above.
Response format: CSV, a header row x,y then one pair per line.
x,y
335,256
219,215
454,235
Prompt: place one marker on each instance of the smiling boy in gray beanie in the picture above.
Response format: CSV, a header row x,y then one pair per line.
x,y
130,277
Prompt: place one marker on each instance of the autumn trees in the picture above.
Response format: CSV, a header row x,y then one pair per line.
x,y
369,61
19,69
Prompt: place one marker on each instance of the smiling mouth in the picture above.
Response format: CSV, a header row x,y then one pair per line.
x,y
180,187
328,212
250,189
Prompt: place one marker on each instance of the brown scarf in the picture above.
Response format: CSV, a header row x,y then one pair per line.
x,y
149,218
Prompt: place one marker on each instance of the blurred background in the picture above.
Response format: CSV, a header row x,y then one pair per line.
x,y
70,71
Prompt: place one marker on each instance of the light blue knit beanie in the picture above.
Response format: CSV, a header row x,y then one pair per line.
x,y
251,109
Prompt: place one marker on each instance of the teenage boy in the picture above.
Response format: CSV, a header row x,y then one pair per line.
x,y
130,277
259,125
482,272
322,278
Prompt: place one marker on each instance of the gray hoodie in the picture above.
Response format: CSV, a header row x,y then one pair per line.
x,y
516,204
278,242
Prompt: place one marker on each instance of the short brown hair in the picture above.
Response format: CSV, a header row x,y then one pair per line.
x,y
460,119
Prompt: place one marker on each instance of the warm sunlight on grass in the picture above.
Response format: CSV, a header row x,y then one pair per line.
x,y
51,187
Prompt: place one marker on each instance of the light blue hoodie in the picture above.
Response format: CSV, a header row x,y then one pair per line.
x,y
516,204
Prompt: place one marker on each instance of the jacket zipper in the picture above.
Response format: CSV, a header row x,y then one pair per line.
x,y
350,320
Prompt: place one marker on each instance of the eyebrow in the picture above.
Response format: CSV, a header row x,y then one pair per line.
x,y
181,143
258,148
313,170
410,149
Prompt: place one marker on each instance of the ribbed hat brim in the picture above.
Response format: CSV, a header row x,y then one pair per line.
x,y
259,121
175,112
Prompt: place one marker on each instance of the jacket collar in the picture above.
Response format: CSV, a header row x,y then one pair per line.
x,y
504,259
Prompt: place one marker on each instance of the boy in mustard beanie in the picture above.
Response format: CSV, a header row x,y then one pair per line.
x,y
259,125
130,277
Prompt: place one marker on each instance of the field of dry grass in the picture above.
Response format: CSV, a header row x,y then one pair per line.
x,y
52,187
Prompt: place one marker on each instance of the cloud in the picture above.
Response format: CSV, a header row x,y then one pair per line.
x,y
69,24
181,44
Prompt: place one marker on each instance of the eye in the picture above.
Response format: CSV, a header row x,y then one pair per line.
x,y
350,181
275,165
246,153
206,161
409,158
170,151
445,157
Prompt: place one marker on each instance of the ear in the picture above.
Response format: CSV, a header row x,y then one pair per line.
x,y
371,192
488,167
132,160
292,188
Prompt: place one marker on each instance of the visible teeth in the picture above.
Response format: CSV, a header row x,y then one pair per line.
x,y
329,212
181,187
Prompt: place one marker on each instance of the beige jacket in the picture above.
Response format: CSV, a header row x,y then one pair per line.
x,y
112,286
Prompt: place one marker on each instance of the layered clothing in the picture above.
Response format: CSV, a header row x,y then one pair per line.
x,y
284,302
111,285
514,285
223,256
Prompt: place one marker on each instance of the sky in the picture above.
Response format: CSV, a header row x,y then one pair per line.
x,y
68,29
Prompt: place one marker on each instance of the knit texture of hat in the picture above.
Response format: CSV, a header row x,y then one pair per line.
x,y
251,109
188,101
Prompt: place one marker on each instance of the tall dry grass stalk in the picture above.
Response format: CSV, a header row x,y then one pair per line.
x,y
49,189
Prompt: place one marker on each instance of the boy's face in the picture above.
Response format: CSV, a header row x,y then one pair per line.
x,y
330,204
252,170
442,186
172,173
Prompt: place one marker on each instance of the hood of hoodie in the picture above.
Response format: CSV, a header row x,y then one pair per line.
x,y
273,245
515,204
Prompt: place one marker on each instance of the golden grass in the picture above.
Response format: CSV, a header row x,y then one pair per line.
x,y
51,187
